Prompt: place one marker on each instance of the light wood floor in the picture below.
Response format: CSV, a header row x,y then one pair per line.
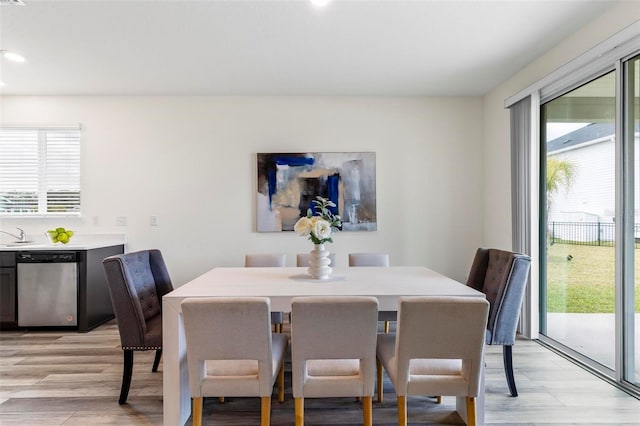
x,y
68,378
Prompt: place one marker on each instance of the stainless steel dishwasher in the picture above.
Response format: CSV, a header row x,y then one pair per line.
x,y
47,289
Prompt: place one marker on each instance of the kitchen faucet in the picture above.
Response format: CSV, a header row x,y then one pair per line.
x,y
20,238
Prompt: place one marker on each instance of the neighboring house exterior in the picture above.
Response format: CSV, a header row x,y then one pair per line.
x,y
590,199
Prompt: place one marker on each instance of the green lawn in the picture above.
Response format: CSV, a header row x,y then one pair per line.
x,y
586,283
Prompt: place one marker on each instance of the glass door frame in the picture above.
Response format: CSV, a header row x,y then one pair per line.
x,y
625,215
625,240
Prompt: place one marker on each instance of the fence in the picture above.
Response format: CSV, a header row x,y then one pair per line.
x,y
585,233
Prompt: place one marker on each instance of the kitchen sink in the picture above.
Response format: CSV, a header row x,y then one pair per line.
x,y
24,244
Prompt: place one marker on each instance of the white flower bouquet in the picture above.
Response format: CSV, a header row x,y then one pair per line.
x,y
320,225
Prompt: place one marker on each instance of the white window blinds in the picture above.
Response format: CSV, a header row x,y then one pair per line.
x,y
39,171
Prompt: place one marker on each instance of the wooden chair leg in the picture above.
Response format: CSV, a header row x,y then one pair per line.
x,y
126,375
402,410
471,411
299,410
156,360
508,368
265,411
379,380
281,383
197,411
439,399
367,411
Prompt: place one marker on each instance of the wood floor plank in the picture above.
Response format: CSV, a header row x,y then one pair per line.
x,y
71,379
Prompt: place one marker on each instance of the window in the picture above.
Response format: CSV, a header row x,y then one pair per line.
x,y
39,171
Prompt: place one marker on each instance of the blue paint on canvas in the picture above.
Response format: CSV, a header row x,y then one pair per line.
x,y
271,179
285,160
333,193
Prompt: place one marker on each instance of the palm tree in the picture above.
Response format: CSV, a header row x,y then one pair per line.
x,y
560,173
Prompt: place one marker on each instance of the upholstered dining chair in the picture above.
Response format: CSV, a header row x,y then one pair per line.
x,y
368,259
340,363
241,360
374,259
268,260
444,358
262,260
502,276
137,281
303,259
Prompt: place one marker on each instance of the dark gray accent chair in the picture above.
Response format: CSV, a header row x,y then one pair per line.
x,y
137,281
502,276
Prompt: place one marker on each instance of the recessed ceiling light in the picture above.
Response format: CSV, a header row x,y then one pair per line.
x,y
320,3
12,56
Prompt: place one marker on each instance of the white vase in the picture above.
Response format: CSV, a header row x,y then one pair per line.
x,y
319,263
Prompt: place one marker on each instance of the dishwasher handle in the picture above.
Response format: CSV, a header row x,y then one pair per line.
x,y
35,257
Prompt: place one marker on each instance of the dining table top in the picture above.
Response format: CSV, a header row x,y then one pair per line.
x,y
283,283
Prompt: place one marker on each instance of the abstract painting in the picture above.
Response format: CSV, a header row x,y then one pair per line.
x,y
288,182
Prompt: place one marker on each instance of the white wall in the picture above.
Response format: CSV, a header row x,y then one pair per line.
x,y
191,162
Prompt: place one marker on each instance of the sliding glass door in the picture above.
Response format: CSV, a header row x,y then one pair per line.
x,y
589,265
580,187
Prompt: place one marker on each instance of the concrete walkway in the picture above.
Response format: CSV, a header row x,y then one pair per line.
x,y
593,335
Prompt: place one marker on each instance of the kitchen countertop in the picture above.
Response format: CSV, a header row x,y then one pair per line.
x,y
78,242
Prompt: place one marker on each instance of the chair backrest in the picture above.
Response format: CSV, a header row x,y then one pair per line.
x,y
303,259
368,259
136,281
334,328
441,328
502,276
265,260
228,328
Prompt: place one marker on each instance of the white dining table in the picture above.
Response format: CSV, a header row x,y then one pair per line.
x,y
280,285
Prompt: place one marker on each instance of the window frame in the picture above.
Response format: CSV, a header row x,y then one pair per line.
x,y
45,173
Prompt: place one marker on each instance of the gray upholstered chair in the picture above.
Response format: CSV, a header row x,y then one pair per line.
x,y
268,260
264,260
339,363
374,259
437,350
137,281
231,351
368,259
502,276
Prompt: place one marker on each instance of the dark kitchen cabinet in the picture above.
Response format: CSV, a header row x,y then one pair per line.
x,y
8,317
93,299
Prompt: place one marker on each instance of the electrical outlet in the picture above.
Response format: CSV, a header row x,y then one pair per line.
x,y
121,221
153,220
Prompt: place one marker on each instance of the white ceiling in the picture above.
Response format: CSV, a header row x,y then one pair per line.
x,y
237,47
